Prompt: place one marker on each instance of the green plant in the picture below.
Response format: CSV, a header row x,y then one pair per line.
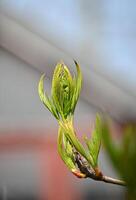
x,y
123,154
81,161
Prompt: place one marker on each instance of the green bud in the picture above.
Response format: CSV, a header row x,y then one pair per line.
x,y
65,89
62,89
64,93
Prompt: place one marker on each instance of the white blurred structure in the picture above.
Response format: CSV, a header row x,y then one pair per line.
x,y
99,35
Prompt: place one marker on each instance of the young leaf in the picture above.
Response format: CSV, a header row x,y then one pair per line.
x,y
128,155
62,152
77,82
45,99
70,134
62,89
112,149
66,153
94,143
42,95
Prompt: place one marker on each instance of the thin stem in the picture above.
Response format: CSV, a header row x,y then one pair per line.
x,y
107,179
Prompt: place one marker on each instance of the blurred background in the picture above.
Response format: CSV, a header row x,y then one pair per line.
x,y
34,36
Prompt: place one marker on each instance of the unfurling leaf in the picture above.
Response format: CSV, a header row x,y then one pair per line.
x,y
65,150
70,134
62,90
94,143
45,99
77,83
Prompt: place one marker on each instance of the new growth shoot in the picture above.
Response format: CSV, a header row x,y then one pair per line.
x,y
65,92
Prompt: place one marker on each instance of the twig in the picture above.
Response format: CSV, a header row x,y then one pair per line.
x,y
95,175
107,179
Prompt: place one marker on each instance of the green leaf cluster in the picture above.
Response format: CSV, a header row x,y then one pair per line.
x,y
65,92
